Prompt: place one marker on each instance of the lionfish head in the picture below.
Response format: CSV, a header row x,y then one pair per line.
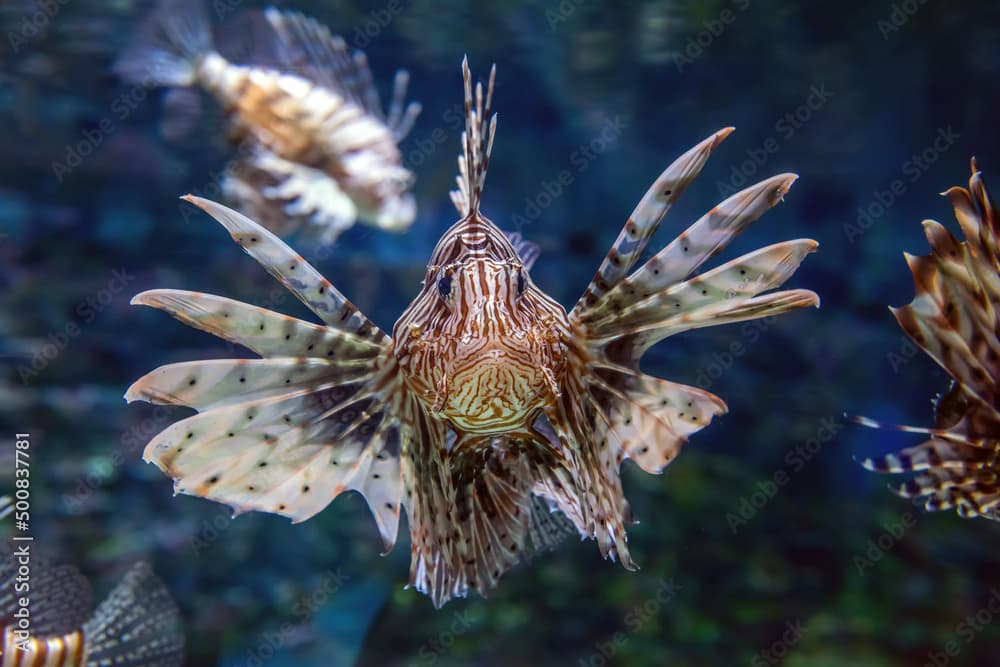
x,y
479,340
479,344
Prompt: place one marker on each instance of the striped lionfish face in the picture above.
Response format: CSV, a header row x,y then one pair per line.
x,y
479,346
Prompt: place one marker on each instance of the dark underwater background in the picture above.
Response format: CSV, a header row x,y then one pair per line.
x,y
765,543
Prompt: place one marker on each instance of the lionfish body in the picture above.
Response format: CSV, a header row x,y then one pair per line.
x,y
136,625
490,410
954,319
317,149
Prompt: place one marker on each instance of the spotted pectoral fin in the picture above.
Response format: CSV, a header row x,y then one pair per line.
x,y
205,385
137,625
646,217
650,419
710,234
266,332
715,293
286,448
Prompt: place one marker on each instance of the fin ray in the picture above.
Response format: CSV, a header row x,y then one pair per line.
x,y
293,271
137,625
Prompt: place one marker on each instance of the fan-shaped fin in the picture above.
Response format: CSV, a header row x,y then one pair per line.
x,y
646,217
215,383
685,254
730,284
136,626
60,600
290,453
650,419
263,331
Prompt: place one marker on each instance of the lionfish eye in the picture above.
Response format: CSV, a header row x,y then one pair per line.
x,y
444,285
520,283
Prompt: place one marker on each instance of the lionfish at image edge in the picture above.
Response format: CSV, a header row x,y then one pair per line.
x,y
954,319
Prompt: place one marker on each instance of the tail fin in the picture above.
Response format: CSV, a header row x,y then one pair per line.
x,y
136,626
168,47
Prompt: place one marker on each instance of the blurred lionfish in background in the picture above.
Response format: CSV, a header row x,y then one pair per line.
x,y
490,414
316,149
953,317
136,626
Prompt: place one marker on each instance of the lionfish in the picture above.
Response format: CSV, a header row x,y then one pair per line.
x,y
316,149
490,411
954,319
136,626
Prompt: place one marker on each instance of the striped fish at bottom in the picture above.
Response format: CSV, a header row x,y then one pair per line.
x,y
137,625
